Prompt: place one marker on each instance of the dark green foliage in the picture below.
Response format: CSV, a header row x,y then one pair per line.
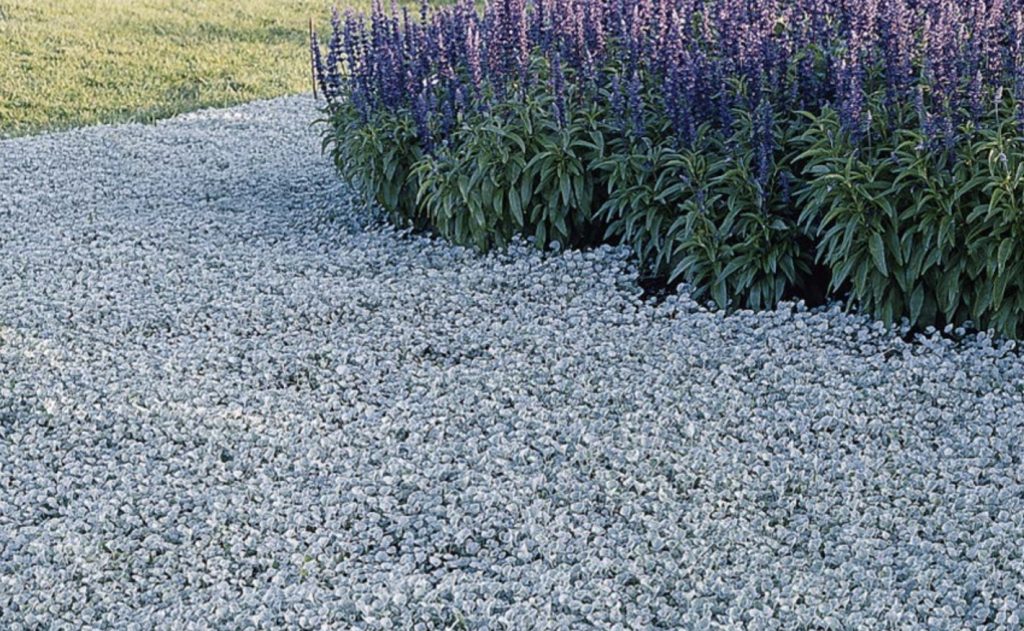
x,y
914,230
377,158
513,170
700,214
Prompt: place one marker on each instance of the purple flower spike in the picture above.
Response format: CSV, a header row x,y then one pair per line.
x,y
764,125
702,60
421,114
616,102
636,104
897,42
1018,65
318,63
558,89
473,61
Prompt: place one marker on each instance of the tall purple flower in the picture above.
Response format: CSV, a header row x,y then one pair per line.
x,y
924,118
595,29
473,46
508,39
1018,65
350,47
764,121
558,89
941,53
851,95
332,75
421,115
679,82
701,59
785,195
976,52
448,110
852,67
896,36
317,60
636,104
617,102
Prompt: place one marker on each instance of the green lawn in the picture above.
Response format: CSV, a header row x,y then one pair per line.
x,y
65,63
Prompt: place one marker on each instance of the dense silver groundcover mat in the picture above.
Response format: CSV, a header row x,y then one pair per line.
x,y
231,398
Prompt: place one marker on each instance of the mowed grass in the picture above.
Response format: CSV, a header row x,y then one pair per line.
x,y
66,63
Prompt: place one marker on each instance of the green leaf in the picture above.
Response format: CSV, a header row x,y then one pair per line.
x,y
515,206
950,286
560,225
566,186
1005,249
860,279
499,203
536,159
999,290
718,292
477,212
526,191
578,185
878,253
885,314
733,265
916,302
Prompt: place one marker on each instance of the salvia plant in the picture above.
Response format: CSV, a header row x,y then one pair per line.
x,y
741,146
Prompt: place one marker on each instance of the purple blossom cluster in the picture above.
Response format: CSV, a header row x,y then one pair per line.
x,y
1016,62
687,62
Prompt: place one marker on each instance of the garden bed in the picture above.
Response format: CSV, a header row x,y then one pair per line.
x,y
869,151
